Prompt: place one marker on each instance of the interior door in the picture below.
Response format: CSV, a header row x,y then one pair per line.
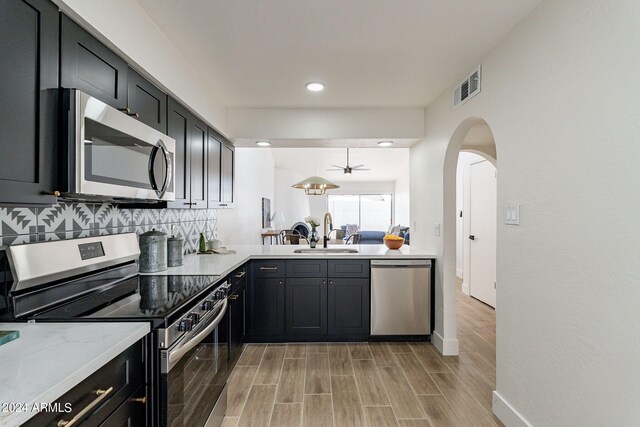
x,y
483,226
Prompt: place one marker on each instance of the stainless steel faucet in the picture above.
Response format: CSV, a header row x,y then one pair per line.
x,y
325,238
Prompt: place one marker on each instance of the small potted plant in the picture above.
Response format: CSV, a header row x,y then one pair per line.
x,y
313,236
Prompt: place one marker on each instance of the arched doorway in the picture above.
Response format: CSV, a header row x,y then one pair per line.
x,y
475,135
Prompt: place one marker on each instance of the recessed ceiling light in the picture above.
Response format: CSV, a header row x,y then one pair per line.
x,y
315,86
385,143
263,143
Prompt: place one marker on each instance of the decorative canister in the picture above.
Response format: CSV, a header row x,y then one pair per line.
x,y
153,251
175,249
153,292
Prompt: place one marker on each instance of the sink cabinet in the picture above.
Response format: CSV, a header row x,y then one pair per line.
x,y
308,300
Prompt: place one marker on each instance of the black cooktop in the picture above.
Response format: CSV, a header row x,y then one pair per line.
x,y
156,298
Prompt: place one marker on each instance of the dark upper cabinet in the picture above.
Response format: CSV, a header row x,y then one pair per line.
x,y
178,129
267,300
146,102
348,307
214,159
227,174
190,165
88,65
306,306
221,169
198,140
29,101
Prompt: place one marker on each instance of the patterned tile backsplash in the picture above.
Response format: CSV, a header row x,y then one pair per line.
x,y
68,220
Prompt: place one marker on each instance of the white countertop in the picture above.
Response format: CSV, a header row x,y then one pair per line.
x,y
213,264
50,359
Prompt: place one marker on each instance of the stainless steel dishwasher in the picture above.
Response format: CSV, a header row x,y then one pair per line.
x,y
401,297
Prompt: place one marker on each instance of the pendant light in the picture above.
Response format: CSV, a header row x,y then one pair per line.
x,y
315,185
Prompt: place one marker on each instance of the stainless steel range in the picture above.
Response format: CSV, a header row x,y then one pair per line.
x,y
96,279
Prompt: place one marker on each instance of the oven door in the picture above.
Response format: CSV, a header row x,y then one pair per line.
x,y
194,372
118,156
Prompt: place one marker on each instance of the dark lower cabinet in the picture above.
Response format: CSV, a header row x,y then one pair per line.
x,y
306,306
29,101
237,307
111,396
268,304
349,307
88,65
307,300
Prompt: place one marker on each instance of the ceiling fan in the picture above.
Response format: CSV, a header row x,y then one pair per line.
x,y
348,169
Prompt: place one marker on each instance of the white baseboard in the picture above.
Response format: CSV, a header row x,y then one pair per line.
x,y
507,413
459,274
446,347
465,289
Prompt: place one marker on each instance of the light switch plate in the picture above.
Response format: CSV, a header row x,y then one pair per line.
x,y
436,229
512,214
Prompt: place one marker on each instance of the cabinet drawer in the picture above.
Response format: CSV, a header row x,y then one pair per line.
x,y
104,391
349,268
307,268
239,274
268,268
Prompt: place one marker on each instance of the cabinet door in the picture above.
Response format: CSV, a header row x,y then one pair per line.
x,y
178,129
90,66
306,306
29,104
147,101
214,158
236,321
348,307
228,169
268,307
198,141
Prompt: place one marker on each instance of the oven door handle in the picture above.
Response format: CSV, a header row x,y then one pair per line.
x,y
175,355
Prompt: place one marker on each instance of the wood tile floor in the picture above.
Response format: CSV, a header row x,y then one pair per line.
x,y
369,384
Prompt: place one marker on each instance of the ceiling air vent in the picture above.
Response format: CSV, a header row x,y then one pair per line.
x,y
467,89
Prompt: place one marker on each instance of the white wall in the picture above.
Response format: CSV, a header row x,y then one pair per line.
x,y
127,29
401,199
292,202
560,95
243,223
329,123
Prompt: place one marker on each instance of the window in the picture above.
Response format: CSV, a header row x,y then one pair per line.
x,y
371,212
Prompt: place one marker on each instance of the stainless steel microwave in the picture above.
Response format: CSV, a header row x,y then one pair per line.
x,y
110,156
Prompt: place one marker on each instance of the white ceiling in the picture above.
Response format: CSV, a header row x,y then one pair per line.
x,y
318,143
386,164
382,53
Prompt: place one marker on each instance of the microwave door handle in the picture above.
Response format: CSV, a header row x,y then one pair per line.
x,y
175,355
152,159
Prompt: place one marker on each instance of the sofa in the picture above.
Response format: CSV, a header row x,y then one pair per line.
x,y
370,237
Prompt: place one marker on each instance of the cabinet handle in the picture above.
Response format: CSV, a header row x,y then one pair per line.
x,y
241,275
331,282
102,394
189,204
128,112
281,282
269,268
233,297
139,399
324,282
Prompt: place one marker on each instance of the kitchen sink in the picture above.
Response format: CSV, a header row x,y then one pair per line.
x,y
326,251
